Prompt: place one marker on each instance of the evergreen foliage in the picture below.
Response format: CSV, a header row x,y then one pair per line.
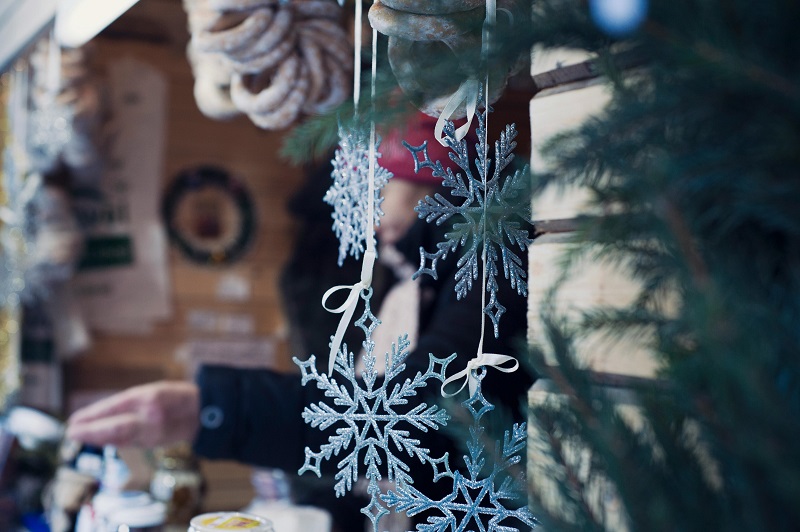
x,y
699,153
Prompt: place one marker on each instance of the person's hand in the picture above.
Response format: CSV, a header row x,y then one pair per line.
x,y
150,415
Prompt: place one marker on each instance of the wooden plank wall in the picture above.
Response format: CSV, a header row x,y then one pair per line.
x,y
570,93
154,32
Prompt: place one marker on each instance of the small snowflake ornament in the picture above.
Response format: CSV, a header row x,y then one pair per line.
x,y
492,211
349,191
51,129
475,504
372,422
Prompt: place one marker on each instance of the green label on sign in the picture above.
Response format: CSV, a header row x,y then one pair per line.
x,y
104,252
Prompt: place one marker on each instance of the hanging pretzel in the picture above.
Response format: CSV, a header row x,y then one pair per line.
x,y
282,59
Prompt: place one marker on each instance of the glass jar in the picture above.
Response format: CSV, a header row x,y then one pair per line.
x,y
178,483
273,501
229,521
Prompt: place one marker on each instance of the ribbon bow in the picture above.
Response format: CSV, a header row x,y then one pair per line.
x,y
29,189
467,93
347,308
482,360
8,216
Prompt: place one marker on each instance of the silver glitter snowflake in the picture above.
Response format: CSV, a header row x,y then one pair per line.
x,y
51,129
12,236
372,421
350,190
504,220
475,503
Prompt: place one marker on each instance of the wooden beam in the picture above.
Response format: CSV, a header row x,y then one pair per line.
x,y
154,21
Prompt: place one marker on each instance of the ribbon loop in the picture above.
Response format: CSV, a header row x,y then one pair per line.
x,y
367,266
467,94
348,308
498,362
8,216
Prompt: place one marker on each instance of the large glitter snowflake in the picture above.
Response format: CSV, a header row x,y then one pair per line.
x,y
349,191
500,211
372,421
475,504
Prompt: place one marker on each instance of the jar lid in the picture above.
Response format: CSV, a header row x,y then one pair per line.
x,y
230,521
32,427
106,502
152,514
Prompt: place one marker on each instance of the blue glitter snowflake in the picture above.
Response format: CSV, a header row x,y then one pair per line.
x,y
349,191
504,221
372,421
475,504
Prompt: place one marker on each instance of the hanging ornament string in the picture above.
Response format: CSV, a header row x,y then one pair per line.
x,y
357,57
468,376
468,92
347,309
506,364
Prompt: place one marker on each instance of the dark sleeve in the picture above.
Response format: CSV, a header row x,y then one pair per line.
x,y
449,325
255,416
251,415
454,326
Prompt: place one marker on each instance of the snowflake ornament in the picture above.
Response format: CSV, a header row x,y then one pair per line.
x,y
501,212
475,504
51,129
372,422
16,243
349,192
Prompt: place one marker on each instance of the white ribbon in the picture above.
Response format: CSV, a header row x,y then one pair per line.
x,y
491,12
467,93
7,216
347,308
356,55
482,360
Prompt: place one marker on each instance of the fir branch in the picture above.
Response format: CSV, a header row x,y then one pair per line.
x,y
734,63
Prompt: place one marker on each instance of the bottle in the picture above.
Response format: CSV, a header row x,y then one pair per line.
x,y
112,497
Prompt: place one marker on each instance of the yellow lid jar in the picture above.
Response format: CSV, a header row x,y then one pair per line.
x,y
229,522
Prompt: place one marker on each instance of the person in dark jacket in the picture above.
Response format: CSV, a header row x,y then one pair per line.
x,y
254,415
